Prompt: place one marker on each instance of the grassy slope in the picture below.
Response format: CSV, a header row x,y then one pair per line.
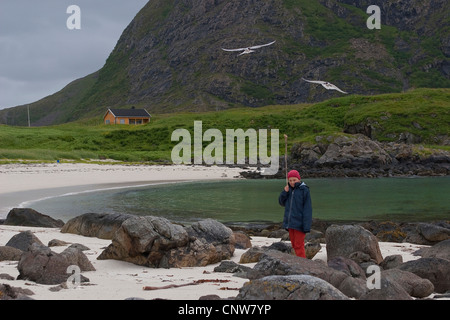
x,y
422,112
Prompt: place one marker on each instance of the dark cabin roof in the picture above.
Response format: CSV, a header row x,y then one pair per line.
x,y
130,113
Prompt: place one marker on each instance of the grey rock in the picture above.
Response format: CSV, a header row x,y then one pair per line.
x,y
343,240
292,287
6,276
31,218
414,285
392,261
8,253
278,263
389,290
433,233
8,292
23,240
75,256
353,287
56,243
439,250
232,267
347,266
156,242
434,269
99,225
41,265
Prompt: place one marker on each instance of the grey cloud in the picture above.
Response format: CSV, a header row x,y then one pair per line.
x,y
40,55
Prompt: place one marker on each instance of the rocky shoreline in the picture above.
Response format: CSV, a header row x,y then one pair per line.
x,y
359,156
422,233
155,242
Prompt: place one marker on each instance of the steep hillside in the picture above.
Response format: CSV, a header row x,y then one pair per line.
x,y
169,58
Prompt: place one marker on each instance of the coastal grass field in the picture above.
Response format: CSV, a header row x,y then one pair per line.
x,y
424,113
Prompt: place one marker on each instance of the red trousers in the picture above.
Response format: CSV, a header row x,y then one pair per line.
x,y
298,242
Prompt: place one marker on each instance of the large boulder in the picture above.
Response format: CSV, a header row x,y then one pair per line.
x,y
31,218
412,232
215,233
292,287
8,292
278,263
75,256
23,240
343,240
433,233
414,285
41,265
8,253
255,253
348,266
99,225
156,242
434,269
389,290
439,250
357,150
427,233
343,274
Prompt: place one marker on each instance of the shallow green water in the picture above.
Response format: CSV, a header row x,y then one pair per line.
x,y
405,199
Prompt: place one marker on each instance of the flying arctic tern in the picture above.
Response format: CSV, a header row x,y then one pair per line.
x,y
250,49
326,85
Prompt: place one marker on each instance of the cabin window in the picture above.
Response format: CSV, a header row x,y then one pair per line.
x,y
131,121
108,122
122,121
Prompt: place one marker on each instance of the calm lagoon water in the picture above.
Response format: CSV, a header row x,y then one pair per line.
x,y
401,199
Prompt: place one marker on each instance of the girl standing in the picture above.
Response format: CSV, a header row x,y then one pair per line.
x,y
296,200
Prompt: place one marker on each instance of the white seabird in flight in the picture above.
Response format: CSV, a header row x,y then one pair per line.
x,y
326,85
250,49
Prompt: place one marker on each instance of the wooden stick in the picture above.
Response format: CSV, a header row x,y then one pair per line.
x,y
285,157
196,282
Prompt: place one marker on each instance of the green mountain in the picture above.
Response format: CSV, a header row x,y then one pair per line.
x,y
169,58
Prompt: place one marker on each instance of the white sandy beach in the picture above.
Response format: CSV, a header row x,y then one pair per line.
x,y
117,280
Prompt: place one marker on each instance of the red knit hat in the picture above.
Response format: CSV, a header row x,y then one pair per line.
x,y
294,173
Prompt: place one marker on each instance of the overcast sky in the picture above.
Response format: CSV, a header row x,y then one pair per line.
x,y
39,55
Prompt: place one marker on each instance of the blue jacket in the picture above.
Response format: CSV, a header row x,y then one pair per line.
x,y
297,207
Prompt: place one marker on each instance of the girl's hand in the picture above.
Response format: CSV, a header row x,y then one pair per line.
x,y
286,188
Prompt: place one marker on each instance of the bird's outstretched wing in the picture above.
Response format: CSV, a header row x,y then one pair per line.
x,y
240,49
313,81
262,45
